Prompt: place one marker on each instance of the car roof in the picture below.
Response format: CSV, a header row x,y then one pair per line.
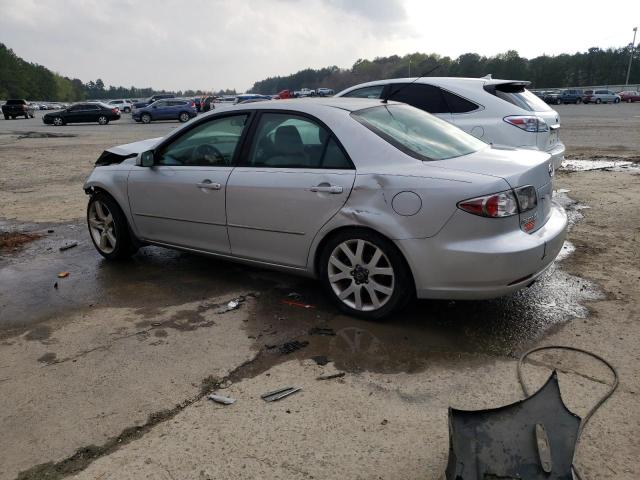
x,y
440,81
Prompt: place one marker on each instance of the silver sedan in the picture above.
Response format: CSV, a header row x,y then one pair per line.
x,y
380,201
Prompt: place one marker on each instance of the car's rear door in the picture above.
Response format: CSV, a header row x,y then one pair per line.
x,y
420,95
90,113
293,177
180,201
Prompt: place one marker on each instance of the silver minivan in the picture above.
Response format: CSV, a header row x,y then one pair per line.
x,y
600,96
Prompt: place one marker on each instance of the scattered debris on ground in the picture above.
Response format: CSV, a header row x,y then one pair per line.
x,y
279,394
330,332
12,241
331,376
297,304
62,275
321,360
221,399
68,246
289,347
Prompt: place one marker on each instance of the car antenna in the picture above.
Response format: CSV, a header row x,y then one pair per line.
x,y
384,100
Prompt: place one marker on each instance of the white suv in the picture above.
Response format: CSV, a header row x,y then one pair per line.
x,y
500,112
124,105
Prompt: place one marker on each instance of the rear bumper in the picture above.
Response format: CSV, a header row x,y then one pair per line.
x,y
557,154
465,261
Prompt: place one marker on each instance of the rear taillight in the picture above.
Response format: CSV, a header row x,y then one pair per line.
x,y
193,104
503,204
115,110
528,123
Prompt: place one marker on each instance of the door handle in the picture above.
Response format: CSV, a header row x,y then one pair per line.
x,y
209,185
327,188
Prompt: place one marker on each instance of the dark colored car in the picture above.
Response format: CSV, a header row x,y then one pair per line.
x,y
83,113
571,96
168,109
17,108
553,96
630,96
198,103
152,99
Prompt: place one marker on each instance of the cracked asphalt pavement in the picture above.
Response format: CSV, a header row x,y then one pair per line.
x,y
104,374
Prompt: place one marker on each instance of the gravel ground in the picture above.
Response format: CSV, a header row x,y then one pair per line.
x,y
104,374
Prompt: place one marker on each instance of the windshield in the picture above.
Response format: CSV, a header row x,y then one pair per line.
x,y
418,133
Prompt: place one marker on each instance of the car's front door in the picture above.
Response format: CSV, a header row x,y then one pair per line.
x,y
294,177
159,110
181,199
73,113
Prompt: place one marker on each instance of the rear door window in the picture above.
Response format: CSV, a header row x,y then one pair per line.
x,y
366,92
425,97
458,104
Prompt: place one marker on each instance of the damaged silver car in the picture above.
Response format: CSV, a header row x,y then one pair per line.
x,y
379,200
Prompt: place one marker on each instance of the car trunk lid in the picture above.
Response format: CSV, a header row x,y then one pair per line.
x,y
518,168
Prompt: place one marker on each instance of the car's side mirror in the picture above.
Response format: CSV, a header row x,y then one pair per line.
x,y
146,159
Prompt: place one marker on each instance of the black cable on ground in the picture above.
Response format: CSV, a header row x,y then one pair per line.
x,y
598,404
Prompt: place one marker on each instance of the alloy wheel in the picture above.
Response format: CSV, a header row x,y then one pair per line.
x,y
184,117
102,120
57,121
361,275
102,227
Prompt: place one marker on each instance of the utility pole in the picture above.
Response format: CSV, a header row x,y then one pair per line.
x,y
410,67
633,46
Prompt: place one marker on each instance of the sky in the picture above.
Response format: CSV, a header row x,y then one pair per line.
x,y
214,44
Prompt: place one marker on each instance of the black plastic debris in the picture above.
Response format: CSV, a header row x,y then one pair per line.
x,y
290,347
320,359
330,332
531,439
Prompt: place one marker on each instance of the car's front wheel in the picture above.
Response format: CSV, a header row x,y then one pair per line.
x,y
598,100
58,121
127,110
103,120
559,101
108,228
578,101
145,118
184,117
365,274
617,100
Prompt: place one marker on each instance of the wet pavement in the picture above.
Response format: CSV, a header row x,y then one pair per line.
x,y
156,278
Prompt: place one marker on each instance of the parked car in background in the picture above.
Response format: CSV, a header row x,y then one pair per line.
x,y
499,112
152,99
88,112
600,96
335,189
17,108
630,96
284,94
571,96
197,101
325,92
123,105
166,109
553,97
304,92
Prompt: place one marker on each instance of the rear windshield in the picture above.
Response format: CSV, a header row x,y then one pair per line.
x,y
418,133
519,96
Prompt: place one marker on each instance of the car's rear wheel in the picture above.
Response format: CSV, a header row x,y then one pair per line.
x,y
127,110
629,100
146,118
559,101
578,101
184,117
58,121
6,117
26,115
365,274
103,120
598,100
617,100
108,228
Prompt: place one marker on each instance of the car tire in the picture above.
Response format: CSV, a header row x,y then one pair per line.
x,y
578,101
145,118
26,116
559,101
350,277
183,117
127,110
629,100
108,228
58,121
103,120
598,101
6,117
617,100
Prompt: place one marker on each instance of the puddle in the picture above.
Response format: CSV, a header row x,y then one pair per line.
x,y
22,135
599,164
428,331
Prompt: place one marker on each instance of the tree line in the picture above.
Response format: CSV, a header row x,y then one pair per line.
x,y
593,67
21,79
